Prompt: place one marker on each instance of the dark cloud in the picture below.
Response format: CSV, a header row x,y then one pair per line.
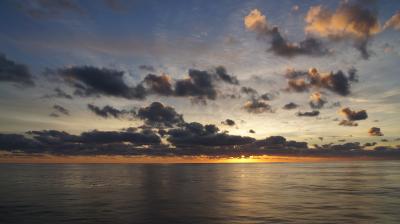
x,y
61,110
192,139
202,84
374,131
193,134
148,68
290,106
228,122
156,114
159,84
59,93
109,111
354,115
352,73
267,96
252,131
92,81
257,22
224,76
348,123
199,84
310,46
336,82
257,106
308,114
14,72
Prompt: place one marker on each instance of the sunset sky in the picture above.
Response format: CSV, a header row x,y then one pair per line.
x,y
118,77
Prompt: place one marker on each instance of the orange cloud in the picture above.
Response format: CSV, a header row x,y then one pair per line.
x,y
256,21
346,21
393,22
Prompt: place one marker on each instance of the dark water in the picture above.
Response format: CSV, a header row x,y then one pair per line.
x,y
344,192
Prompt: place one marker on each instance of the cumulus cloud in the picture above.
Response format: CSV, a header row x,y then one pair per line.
x,y
193,134
257,22
257,106
393,22
374,131
228,122
313,113
156,114
316,101
297,85
354,115
290,106
355,20
225,77
348,123
14,72
336,82
90,81
61,110
93,81
199,84
159,84
109,111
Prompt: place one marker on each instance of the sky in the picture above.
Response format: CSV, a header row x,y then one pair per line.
x,y
199,78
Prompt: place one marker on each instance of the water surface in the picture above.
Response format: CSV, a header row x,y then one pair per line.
x,y
343,192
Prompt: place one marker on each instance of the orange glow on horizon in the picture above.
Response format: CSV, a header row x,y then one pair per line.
x,y
166,160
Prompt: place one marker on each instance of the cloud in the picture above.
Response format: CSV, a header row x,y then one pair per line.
x,y
308,114
257,106
257,22
354,115
393,22
336,82
355,20
156,114
297,85
59,93
225,77
202,83
14,72
228,122
290,106
92,81
148,68
374,131
348,123
159,84
61,110
192,139
109,111
316,101
194,134
252,131
292,73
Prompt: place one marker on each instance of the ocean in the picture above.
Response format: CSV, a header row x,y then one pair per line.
x,y
328,192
